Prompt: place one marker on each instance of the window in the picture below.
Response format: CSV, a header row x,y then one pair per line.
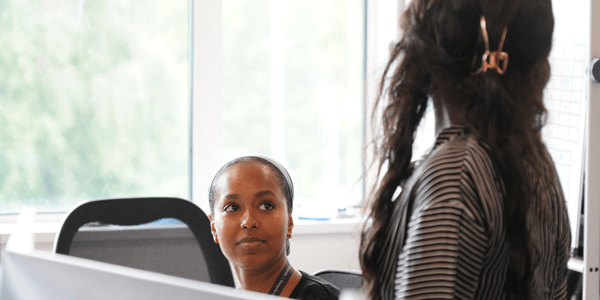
x,y
293,74
95,99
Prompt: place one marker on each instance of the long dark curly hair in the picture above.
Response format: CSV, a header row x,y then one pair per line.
x,y
442,45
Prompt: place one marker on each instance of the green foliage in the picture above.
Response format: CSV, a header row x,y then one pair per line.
x,y
91,99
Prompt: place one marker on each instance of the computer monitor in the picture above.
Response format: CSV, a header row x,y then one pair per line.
x,y
30,274
40,275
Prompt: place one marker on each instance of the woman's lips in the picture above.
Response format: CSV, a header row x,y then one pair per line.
x,y
250,240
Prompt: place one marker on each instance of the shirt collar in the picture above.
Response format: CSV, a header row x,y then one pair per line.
x,y
449,134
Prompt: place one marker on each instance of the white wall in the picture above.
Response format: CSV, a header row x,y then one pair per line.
x,y
325,246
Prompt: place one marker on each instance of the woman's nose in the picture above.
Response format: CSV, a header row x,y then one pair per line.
x,y
249,221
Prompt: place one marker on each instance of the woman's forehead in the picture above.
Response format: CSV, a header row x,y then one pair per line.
x,y
251,168
248,173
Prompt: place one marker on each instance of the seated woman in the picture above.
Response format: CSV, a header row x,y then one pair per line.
x,y
251,200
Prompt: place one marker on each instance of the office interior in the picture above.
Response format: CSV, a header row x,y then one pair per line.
x,y
331,240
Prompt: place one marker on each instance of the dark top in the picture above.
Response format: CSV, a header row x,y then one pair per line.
x,y
314,288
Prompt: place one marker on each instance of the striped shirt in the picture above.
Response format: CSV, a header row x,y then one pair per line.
x,y
454,244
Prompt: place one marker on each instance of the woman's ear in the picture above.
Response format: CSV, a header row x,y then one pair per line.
x,y
290,226
212,229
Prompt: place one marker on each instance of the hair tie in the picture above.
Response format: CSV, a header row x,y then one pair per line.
x,y
492,60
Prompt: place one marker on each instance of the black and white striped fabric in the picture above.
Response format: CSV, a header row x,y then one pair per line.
x,y
454,245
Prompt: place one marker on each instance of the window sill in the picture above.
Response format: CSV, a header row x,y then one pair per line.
x,y
339,226
45,228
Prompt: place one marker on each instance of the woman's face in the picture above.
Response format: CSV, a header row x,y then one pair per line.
x,y
250,220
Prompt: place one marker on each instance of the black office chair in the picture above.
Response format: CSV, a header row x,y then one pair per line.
x,y
343,279
146,233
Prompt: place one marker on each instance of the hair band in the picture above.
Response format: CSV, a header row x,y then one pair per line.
x,y
492,60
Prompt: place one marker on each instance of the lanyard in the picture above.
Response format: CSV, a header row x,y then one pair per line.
x,y
281,280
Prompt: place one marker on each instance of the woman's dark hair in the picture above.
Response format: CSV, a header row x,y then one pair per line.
x,y
441,46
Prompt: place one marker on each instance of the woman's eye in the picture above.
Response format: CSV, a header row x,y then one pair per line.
x,y
266,206
230,208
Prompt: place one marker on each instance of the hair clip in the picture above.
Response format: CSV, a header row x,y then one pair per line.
x,y
492,60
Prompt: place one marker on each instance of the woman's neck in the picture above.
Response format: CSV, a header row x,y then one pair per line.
x,y
261,280
445,116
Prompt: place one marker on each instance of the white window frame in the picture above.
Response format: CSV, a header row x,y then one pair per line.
x,y
206,79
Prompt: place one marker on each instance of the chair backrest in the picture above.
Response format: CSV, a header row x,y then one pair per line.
x,y
166,235
343,279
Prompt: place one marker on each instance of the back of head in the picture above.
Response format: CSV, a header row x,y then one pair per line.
x,y
445,40
438,58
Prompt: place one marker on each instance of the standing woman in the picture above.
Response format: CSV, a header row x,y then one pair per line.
x,y
482,215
